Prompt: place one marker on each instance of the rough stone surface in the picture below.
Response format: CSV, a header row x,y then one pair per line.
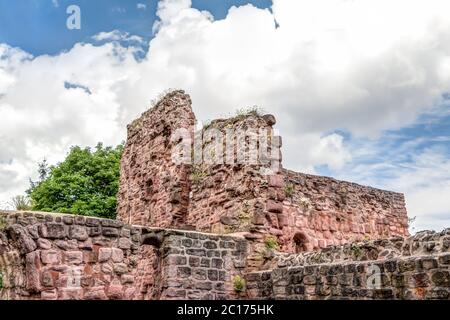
x,y
192,265
67,265
326,236
153,190
303,212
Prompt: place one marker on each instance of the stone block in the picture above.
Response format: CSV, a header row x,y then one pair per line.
x,y
184,272
116,255
44,244
47,279
441,278
78,232
213,275
95,293
124,243
110,232
104,254
73,257
53,230
120,268
49,295
32,268
276,181
127,279
115,292
50,257
274,206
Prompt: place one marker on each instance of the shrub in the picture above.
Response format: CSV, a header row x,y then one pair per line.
x,y
2,223
271,243
356,250
239,284
305,203
289,190
198,174
254,111
21,203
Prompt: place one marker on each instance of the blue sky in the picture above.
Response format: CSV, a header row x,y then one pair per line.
x,y
39,26
356,98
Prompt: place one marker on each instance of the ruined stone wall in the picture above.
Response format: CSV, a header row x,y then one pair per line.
x,y
153,189
202,266
55,256
320,211
413,268
227,195
303,212
71,257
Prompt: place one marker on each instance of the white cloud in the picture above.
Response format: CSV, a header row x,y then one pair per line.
x,y
116,35
55,3
362,66
426,184
141,6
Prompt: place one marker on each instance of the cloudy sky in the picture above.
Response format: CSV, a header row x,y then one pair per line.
x,y
361,89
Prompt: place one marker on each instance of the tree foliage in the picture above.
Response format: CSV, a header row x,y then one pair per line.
x,y
85,183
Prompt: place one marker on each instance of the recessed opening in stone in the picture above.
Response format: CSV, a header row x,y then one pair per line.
x,y
300,242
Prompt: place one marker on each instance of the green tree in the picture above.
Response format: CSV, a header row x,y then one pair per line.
x,y
85,183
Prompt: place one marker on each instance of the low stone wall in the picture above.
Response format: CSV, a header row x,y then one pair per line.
x,y
421,244
54,256
417,267
201,266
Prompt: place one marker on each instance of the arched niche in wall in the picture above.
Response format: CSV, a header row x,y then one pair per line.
x,y
300,242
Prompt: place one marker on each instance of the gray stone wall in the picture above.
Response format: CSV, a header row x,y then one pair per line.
x,y
202,266
417,267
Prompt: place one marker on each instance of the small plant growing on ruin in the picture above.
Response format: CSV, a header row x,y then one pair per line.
x,y
21,203
206,124
271,243
2,223
1,281
248,111
318,258
289,190
239,284
356,250
245,217
198,174
305,203
411,223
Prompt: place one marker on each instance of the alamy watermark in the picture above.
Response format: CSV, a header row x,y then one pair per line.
x,y
73,22
230,146
374,277
74,277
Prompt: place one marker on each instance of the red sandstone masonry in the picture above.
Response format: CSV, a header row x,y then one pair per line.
x,y
153,190
54,256
303,212
338,212
64,257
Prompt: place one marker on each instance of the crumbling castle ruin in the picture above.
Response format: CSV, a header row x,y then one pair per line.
x,y
212,214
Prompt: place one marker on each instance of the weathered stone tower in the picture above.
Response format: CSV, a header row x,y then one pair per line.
x,y
153,190
259,200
